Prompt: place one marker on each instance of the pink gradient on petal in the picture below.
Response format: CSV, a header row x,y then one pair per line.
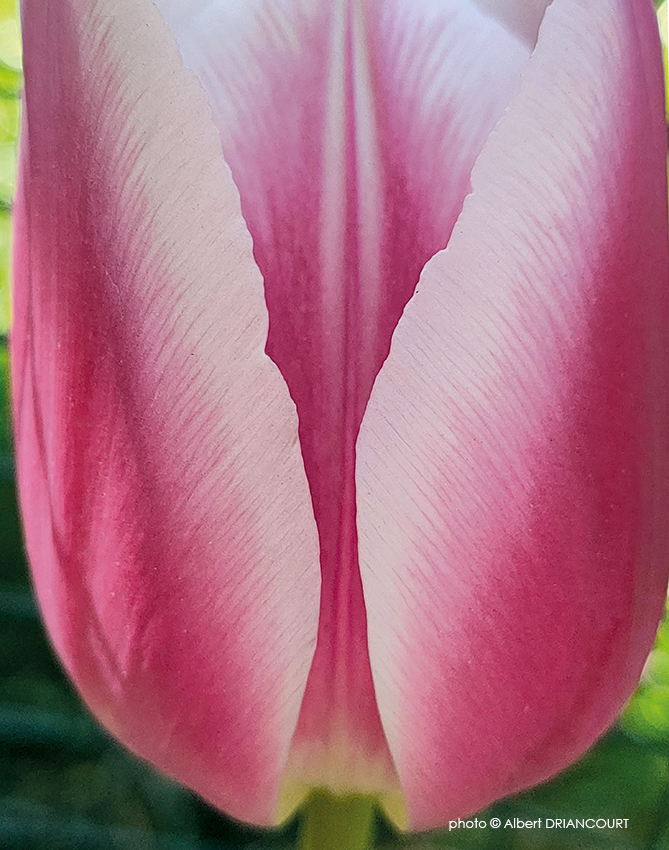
x,y
351,130
167,513
513,468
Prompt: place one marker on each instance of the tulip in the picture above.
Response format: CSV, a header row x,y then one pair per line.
x,y
341,385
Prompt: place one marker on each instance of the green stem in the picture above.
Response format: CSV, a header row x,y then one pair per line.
x,y
337,823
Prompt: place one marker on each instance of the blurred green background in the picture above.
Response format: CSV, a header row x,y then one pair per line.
x,y
65,784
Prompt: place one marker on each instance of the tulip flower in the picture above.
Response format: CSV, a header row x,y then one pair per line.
x,y
341,385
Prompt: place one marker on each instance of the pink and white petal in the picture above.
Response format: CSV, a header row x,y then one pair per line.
x,y
351,129
513,469
522,17
167,512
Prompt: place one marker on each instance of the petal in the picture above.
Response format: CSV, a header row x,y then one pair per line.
x,y
351,129
512,464
522,17
167,513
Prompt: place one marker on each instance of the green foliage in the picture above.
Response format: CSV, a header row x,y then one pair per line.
x,y
647,714
10,110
